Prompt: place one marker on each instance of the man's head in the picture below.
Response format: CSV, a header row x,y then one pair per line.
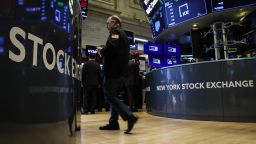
x,y
113,22
92,57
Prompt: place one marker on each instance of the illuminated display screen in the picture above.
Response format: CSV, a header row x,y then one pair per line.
x,y
178,11
150,6
155,61
61,15
84,8
90,50
32,9
163,61
56,12
170,60
2,41
171,49
157,22
153,49
219,5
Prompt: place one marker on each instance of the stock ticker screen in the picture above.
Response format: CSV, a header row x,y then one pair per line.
x,y
151,6
178,11
32,9
219,5
157,22
171,49
155,13
155,60
163,61
84,8
153,48
54,11
170,60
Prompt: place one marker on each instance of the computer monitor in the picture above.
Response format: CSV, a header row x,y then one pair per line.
x,y
90,50
171,49
157,22
153,48
170,60
178,11
84,8
155,61
219,5
151,6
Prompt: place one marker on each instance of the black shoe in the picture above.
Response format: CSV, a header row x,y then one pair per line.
x,y
110,127
92,112
130,124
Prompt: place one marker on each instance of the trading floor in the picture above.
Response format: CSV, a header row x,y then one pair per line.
x,y
157,130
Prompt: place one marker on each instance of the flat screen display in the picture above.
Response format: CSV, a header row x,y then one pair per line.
x,y
155,60
170,60
171,49
60,15
90,50
153,48
33,10
157,22
219,5
150,6
84,8
56,12
178,11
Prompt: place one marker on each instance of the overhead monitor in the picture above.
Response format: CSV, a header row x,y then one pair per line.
x,y
61,15
155,60
157,22
219,5
171,60
151,6
33,10
153,48
171,49
178,11
84,8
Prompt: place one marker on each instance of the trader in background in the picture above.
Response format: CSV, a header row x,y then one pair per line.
x,y
91,80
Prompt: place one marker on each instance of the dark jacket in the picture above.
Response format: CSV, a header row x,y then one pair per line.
x,y
133,74
91,73
116,54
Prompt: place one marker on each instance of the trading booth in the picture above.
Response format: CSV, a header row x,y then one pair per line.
x,y
203,57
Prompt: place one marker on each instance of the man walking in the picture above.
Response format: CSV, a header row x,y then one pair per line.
x,y
115,66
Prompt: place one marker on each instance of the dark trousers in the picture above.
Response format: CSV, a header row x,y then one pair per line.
x,y
100,99
133,99
111,90
90,98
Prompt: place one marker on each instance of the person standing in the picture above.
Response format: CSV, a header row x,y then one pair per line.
x,y
115,56
132,85
91,83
